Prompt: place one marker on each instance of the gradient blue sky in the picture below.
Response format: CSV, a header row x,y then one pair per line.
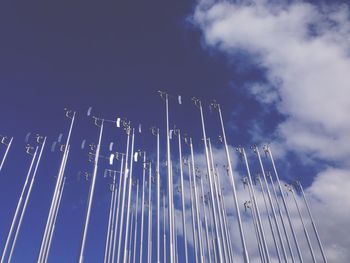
x,y
114,56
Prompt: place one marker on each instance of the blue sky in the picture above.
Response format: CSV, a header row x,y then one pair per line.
x,y
279,71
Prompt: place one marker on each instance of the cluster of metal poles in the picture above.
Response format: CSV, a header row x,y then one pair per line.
x,y
200,210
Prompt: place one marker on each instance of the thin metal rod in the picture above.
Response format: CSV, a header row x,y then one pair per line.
x,y
158,198
183,197
199,223
19,204
143,205
55,220
109,225
46,255
129,197
255,204
281,218
194,232
257,234
136,221
268,151
6,152
304,228
128,257
54,202
26,200
90,198
313,223
149,235
112,227
116,218
205,221
216,192
126,171
171,231
256,150
164,229
234,191
211,184
269,219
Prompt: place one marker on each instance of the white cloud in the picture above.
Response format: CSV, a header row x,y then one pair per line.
x,y
305,51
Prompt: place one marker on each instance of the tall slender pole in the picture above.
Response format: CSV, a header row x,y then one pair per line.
x,y
158,199
193,214
164,229
313,223
269,219
218,201
126,176
255,204
149,235
50,234
129,197
26,200
136,221
268,151
205,221
247,205
128,257
143,205
281,217
6,152
182,197
199,223
303,224
19,204
54,202
199,104
121,182
171,231
234,191
55,219
109,225
90,198
256,150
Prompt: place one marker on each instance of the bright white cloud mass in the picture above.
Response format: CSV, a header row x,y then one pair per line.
x,y
304,49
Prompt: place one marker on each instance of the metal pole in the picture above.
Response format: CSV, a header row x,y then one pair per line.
x,y
205,221
129,197
256,150
158,199
313,223
255,203
199,223
18,207
46,255
90,198
269,219
6,152
136,216
304,228
171,245
26,200
164,229
54,202
268,151
256,230
143,204
128,257
192,213
55,220
281,217
230,170
126,174
149,235
121,181
112,227
109,220
182,197
216,192
199,104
